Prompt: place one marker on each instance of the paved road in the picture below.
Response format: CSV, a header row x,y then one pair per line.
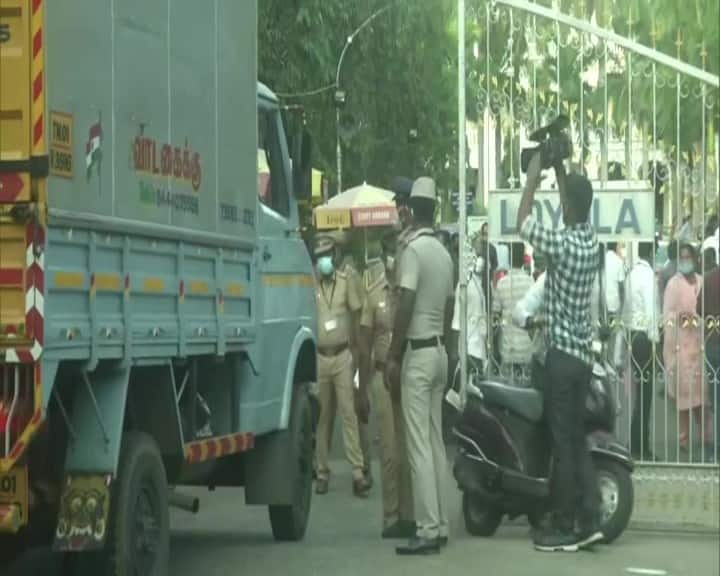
x,y
226,538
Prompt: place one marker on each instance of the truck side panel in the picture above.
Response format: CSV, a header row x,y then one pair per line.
x,y
160,100
114,295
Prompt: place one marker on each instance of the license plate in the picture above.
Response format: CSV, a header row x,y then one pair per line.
x,y
14,490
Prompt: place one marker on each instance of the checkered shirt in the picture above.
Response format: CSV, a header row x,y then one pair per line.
x,y
573,260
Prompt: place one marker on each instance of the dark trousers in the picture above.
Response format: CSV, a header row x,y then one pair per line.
x,y
642,381
574,487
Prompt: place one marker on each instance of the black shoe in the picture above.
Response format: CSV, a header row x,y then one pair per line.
x,y
401,530
360,488
368,478
442,541
321,486
557,541
419,547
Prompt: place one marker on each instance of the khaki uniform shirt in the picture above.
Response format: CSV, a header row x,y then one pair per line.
x,y
377,314
427,270
402,242
353,277
336,299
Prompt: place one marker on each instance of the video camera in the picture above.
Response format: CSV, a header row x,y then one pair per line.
x,y
553,141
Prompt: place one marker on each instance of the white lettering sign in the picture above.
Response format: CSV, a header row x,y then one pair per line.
x,y
617,213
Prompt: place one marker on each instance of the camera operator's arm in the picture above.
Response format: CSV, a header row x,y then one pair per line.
x,y
531,185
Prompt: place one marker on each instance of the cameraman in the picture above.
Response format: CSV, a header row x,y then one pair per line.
x,y
572,256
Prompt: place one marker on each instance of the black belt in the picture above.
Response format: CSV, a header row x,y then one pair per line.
x,y
420,343
380,366
332,350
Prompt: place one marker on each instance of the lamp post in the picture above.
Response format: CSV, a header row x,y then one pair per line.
x,y
340,95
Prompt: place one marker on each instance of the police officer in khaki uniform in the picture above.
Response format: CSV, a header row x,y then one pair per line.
x,y
418,363
338,305
375,333
346,265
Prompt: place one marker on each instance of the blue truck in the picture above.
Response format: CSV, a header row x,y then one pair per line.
x,y
157,311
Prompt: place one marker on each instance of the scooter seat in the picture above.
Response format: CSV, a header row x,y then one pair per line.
x,y
525,402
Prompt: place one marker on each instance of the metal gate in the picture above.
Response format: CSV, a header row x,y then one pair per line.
x,y
644,126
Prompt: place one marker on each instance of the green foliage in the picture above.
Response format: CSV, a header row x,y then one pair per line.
x,y
399,75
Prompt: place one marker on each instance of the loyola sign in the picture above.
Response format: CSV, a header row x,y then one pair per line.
x,y
621,211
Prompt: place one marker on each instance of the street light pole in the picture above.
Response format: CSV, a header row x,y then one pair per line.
x,y
462,206
340,95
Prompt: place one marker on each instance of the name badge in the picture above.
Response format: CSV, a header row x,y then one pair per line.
x,y
331,325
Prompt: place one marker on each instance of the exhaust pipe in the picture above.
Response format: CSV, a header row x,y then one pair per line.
x,y
184,502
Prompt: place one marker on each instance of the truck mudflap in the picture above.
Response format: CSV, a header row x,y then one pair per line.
x,y
84,513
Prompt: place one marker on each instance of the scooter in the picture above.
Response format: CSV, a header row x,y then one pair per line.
x,y
504,461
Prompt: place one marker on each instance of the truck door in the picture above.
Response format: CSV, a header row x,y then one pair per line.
x,y
286,272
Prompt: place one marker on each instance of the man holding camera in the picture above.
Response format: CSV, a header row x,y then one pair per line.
x,y
572,255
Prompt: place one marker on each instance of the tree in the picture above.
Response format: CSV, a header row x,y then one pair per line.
x,y
398,75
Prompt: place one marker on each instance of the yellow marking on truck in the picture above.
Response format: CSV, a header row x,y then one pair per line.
x,y
108,282
235,289
16,83
69,280
286,280
153,285
199,287
14,495
10,521
61,144
37,42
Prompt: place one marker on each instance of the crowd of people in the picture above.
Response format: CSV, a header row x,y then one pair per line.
x,y
388,338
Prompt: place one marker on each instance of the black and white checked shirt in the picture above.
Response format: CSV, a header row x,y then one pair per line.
x,y
573,260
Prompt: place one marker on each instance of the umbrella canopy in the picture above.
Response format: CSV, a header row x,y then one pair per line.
x,y
359,207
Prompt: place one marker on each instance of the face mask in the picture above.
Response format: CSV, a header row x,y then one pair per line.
x,y
325,265
686,267
390,264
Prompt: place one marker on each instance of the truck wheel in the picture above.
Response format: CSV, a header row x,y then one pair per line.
x,y
12,546
138,542
616,497
289,522
481,518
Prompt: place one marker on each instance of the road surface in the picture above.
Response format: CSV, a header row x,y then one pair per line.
x,y
227,538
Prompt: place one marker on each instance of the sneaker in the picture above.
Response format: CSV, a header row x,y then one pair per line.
x,y
587,538
556,541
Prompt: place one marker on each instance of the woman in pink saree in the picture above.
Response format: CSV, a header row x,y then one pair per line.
x,y
682,350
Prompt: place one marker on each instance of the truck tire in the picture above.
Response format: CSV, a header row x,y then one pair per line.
x,y
12,546
138,542
289,522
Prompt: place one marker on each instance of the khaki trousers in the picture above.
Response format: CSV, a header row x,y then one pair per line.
x,y
335,375
424,373
394,468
